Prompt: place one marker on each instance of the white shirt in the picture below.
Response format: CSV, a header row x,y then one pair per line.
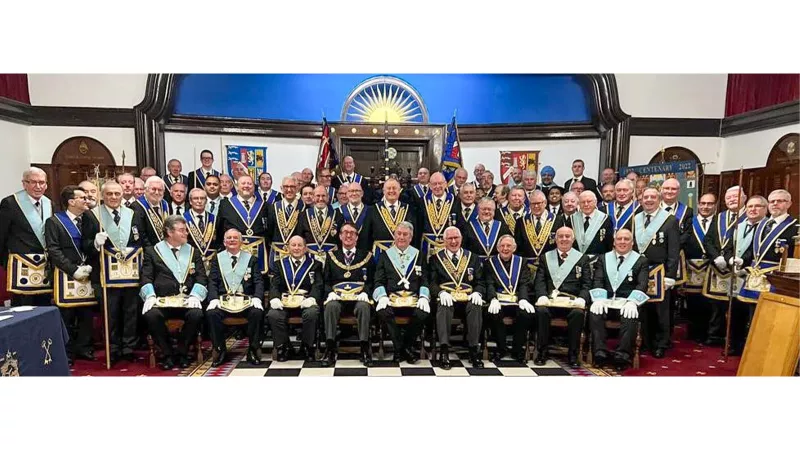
x,y
708,221
198,215
351,250
175,207
389,205
111,210
554,208
71,216
442,198
664,206
451,254
576,179
617,255
778,220
234,255
250,200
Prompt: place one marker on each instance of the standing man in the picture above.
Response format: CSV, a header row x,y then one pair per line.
x,y
349,175
212,192
116,253
487,184
283,219
658,240
356,211
90,190
348,276
340,196
535,233
324,180
624,207
529,183
226,189
308,177
138,189
483,231
73,292
417,192
153,208
466,209
174,176
202,227
620,274
569,205
593,233
670,190
514,210
459,180
456,281
206,169
437,207
563,272
248,214
607,195
698,307
608,176
235,273
401,288
548,174
577,175
147,172
506,280
126,180
172,268
22,241
384,217
516,177
319,225
177,195
265,191
297,281
478,171
554,200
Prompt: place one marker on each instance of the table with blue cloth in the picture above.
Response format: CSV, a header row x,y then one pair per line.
x,y
33,343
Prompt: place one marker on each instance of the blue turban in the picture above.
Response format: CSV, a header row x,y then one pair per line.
x,y
548,170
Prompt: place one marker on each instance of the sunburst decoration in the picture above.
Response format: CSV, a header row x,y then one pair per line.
x,y
383,99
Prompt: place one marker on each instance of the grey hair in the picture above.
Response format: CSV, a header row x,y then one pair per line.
x,y
507,236
485,200
628,182
529,172
759,198
572,194
171,221
108,184
406,224
451,228
538,193
33,171
154,179
781,191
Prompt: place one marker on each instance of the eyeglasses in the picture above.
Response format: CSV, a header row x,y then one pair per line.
x,y
778,200
36,183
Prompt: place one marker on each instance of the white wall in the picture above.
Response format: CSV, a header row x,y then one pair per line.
x,y
673,95
284,155
707,149
45,140
752,149
559,154
14,156
98,90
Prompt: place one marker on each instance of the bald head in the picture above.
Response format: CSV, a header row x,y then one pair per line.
x,y
438,184
565,237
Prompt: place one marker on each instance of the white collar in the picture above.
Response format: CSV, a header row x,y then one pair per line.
x,y
228,195
232,255
386,202
293,203
570,215
574,178
442,198
463,206
521,210
360,205
177,205
71,216
171,247
345,250
664,206
110,209
199,214
778,220
617,254
591,215
567,252
214,199
251,200
451,254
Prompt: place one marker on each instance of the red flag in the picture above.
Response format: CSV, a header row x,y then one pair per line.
x,y
327,152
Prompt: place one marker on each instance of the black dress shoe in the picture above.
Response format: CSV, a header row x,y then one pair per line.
x,y
444,358
366,358
167,363
474,357
329,358
572,361
498,356
519,356
411,356
658,353
254,356
621,362
541,359
183,361
220,359
600,358
282,353
398,356
309,351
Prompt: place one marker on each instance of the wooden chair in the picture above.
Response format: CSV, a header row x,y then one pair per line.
x,y
561,323
174,326
508,321
456,322
229,322
401,321
616,325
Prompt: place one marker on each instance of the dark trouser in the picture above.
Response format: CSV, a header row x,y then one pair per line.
x,y
78,321
333,311
741,316
716,323
255,321
280,331
474,320
156,320
655,317
123,312
627,338
574,317
522,324
418,318
699,314
31,300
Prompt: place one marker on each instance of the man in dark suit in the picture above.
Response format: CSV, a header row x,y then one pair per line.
x,y
22,241
348,276
235,273
119,247
658,239
177,199
349,175
248,214
436,215
683,215
465,208
482,233
356,211
283,220
697,261
401,287
173,268
487,184
563,272
265,191
153,208
319,225
206,169
296,280
413,195
608,176
624,207
594,235
568,215
73,291
535,232
506,280
174,176
456,281
577,175
384,217
620,274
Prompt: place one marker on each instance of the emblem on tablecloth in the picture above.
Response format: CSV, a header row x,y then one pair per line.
x,y
9,368
46,344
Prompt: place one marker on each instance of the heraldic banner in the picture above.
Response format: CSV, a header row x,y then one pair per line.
x,y
254,159
525,160
655,174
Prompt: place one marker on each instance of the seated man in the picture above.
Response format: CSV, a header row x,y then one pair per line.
x,y
400,285
563,272
295,283
235,273
348,280
173,287
456,280
506,277
620,274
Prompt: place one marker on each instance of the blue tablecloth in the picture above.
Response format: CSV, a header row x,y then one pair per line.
x,y
33,343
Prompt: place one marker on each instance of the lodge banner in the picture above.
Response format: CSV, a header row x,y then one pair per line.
x,y
525,160
655,175
254,159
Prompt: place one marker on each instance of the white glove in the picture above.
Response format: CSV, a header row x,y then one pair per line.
x,y
383,302
424,304
82,273
148,304
332,296
476,299
719,261
308,302
445,298
362,297
599,307
579,302
527,307
669,282
275,303
213,304
257,304
494,306
543,301
194,302
630,310
738,261
100,239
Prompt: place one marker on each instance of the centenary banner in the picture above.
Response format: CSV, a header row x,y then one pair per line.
x,y
655,174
